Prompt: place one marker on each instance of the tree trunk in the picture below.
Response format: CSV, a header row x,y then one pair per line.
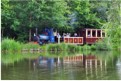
x,y
120,21
2,33
29,35
36,31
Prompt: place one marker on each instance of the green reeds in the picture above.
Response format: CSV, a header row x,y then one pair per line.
x,y
62,47
29,46
11,58
10,45
15,46
102,45
54,47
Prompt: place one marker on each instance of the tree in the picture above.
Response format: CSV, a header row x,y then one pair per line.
x,y
100,8
113,25
21,18
85,18
6,16
29,15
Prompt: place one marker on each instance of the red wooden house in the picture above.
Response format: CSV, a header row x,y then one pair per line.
x,y
90,36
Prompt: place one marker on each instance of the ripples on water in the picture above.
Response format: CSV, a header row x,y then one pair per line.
x,y
74,67
118,64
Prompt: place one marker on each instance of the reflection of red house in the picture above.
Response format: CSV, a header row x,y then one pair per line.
x,y
79,58
91,60
90,57
85,60
73,58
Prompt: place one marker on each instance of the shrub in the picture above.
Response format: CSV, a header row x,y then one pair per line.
x,y
102,45
93,47
54,47
86,47
10,45
62,47
30,46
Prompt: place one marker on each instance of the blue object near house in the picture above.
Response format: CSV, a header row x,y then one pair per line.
x,y
44,37
51,36
47,35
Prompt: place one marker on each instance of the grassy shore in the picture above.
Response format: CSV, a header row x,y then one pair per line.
x,y
15,46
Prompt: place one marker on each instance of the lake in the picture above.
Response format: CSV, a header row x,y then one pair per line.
x,y
97,65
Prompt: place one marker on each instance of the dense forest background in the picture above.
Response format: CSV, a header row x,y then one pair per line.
x,y
20,19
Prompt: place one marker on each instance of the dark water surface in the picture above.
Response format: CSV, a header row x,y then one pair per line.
x,y
90,66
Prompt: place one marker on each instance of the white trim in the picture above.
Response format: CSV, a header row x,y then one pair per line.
x,y
73,37
95,37
90,32
94,29
101,33
96,33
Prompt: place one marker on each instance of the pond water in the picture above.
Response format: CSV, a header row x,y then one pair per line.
x,y
79,66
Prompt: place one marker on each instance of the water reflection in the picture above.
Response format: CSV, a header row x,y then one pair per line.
x,y
68,67
79,60
90,63
118,65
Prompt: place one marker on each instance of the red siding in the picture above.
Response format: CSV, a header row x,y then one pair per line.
x,y
73,40
90,57
92,40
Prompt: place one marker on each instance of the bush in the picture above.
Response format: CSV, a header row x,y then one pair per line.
x,y
30,46
55,47
93,47
10,45
62,47
102,45
86,47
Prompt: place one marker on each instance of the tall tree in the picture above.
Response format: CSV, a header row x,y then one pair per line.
x,y
85,18
28,15
6,16
113,25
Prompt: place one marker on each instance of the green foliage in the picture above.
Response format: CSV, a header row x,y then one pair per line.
x,y
113,25
62,47
93,47
6,14
71,48
11,58
84,16
100,8
53,47
30,46
10,45
25,15
102,45
86,47
20,16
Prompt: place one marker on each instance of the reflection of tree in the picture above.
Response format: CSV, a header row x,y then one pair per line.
x,y
10,58
91,63
75,66
118,65
95,66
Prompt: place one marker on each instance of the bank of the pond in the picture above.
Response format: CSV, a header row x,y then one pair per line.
x,y
15,46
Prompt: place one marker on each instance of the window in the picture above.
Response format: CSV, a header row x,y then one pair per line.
x,y
93,33
99,33
103,34
88,33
